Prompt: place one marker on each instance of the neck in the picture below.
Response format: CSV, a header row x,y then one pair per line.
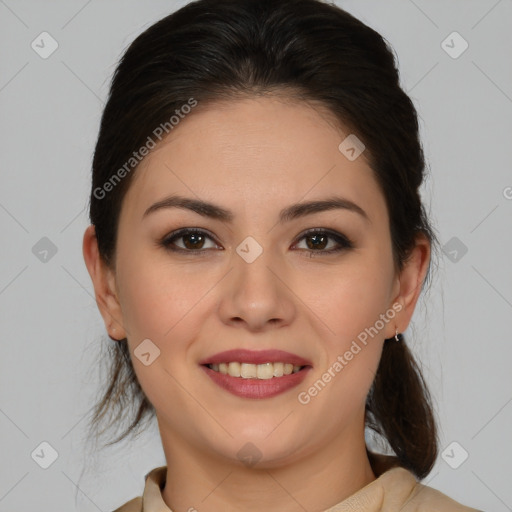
x,y
315,482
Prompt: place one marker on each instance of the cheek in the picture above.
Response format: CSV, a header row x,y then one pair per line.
x,y
158,299
347,299
348,302
166,305
351,306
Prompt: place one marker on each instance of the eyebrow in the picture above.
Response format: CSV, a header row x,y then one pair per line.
x,y
287,214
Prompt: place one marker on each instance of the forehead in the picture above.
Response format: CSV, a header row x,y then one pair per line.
x,y
255,152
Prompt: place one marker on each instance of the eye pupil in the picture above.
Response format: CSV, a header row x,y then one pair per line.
x,y
320,241
197,240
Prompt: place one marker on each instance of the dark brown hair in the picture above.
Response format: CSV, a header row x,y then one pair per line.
x,y
312,51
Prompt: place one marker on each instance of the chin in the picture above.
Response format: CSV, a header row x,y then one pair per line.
x,y
265,446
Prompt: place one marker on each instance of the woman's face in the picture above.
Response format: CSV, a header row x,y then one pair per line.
x,y
255,280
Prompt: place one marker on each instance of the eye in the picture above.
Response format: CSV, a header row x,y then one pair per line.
x,y
317,240
192,240
325,241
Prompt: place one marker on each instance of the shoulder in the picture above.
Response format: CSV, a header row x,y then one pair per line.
x,y
419,498
151,498
395,483
428,498
134,505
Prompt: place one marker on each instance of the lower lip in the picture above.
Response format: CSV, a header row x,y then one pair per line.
x,y
257,388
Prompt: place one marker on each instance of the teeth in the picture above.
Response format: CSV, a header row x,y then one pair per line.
x,y
255,371
234,369
264,371
278,369
248,371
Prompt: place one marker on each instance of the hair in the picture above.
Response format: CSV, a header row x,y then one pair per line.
x,y
310,51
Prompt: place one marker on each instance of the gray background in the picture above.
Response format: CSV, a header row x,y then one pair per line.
x,y
51,328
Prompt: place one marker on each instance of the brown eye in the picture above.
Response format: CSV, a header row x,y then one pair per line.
x,y
188,240
323,241
193,241
317,241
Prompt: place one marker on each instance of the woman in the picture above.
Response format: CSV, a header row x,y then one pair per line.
x,y
257,245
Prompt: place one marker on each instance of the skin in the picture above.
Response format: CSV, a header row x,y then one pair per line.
x,y
254,157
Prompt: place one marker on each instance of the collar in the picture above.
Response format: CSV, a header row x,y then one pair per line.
x,y
393,485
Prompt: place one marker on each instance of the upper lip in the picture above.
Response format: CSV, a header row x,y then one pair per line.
x,y
256,357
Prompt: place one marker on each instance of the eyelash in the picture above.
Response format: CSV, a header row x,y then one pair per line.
x,y
344,243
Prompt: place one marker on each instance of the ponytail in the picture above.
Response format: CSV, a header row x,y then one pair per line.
x,y
399,409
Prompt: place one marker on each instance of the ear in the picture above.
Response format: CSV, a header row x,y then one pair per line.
x,y
103,279
408,285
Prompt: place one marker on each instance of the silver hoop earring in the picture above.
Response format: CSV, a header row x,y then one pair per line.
x,y
396,335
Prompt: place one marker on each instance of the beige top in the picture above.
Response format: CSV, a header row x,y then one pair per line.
x,y
395,489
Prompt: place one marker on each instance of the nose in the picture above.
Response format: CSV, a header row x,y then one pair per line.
x,y
255,295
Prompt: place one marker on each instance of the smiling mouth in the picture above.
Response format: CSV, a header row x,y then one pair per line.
x,y
263,371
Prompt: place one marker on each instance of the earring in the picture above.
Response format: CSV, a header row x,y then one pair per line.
x,y
396,335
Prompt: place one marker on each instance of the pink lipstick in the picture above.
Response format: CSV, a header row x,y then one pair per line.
x,y
256,374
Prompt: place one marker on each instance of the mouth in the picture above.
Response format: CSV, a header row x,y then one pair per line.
x,y
256,374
